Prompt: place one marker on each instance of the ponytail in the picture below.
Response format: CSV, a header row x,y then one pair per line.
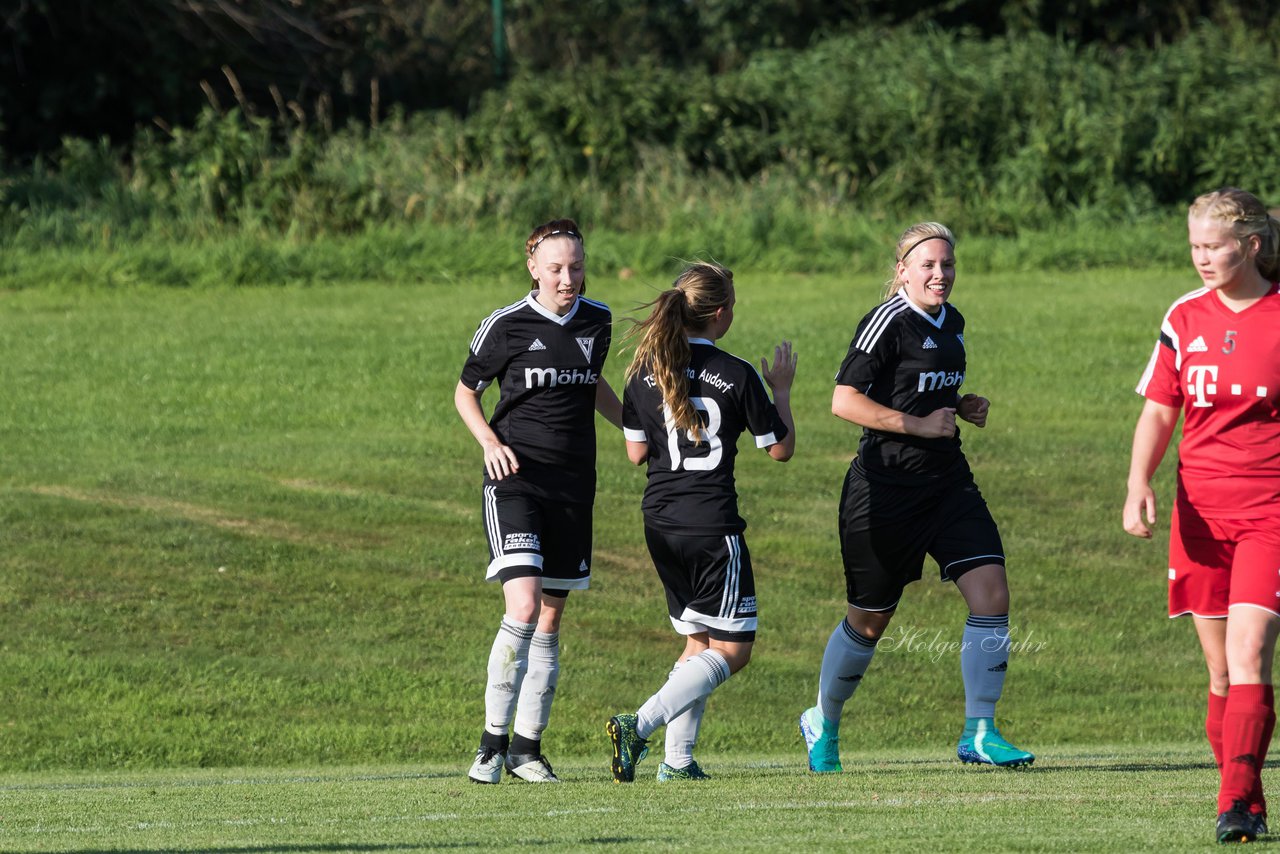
x,y
663,351
688,307
1269,255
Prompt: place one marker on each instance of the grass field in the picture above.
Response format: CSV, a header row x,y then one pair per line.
x,y
239,529
1078,800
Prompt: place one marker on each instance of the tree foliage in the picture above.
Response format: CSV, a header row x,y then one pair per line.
x,y
87,68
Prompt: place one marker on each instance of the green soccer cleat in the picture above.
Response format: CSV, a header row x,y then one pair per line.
x,y
689,772
822,740
628,747
982,743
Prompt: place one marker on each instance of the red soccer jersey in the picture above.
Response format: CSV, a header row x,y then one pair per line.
x,y
1222,368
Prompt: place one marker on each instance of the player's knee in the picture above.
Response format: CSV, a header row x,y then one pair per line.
x,y
524,609
1245,659
523,613
736,655
994,604
869,624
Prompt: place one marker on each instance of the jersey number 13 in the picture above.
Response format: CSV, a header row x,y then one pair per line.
x,y
707,436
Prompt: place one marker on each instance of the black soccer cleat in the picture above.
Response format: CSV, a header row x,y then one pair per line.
x,y
1237,824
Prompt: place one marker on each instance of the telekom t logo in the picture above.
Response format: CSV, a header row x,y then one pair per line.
x,y
1203,380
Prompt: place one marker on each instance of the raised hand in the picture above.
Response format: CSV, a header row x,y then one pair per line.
x,y
780,375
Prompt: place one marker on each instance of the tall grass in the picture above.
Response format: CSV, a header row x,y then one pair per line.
x,y
799,160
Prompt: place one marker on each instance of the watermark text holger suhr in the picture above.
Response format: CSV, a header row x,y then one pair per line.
x,y
937,644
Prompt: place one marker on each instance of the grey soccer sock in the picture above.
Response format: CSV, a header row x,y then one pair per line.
x,y
508,659
534,707
844,662
984,659
682,730
695,679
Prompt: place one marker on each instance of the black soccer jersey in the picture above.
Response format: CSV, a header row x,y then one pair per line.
x,y
547,368
906,359
691,486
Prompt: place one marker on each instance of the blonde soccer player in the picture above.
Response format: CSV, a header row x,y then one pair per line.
x,y
908,493
1216,364
685,405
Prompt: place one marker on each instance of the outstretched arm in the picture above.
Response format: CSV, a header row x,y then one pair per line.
x,y
1150,441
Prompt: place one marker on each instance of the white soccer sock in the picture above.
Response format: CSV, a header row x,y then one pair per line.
x,y
846,659
534,707
695,679
682,730
508,660
984,658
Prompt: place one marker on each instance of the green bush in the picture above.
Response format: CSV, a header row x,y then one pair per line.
x,y
794,160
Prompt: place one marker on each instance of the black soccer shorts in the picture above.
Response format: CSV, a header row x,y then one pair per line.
x,y
709,583
886,530
531,536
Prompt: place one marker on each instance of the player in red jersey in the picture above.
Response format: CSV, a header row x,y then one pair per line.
x,y
1218,362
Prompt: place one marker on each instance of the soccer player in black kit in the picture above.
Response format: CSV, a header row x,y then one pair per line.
x,y
909,492
685,404
546,351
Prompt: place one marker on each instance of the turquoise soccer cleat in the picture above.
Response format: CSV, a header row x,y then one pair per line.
x,y
822,740
982,744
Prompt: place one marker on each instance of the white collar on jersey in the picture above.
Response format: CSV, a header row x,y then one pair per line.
x,y
936,320
532,299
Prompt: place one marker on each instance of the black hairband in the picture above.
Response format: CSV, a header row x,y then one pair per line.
x,y
566,233
922,240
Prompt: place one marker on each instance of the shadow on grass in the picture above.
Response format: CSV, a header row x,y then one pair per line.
x,y
235,781
346,846
1130,767
276,849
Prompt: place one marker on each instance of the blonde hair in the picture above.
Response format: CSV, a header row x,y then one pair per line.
x,y
1246,215
910,239
689,305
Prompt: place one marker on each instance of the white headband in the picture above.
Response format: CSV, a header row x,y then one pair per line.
x,y
566,232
